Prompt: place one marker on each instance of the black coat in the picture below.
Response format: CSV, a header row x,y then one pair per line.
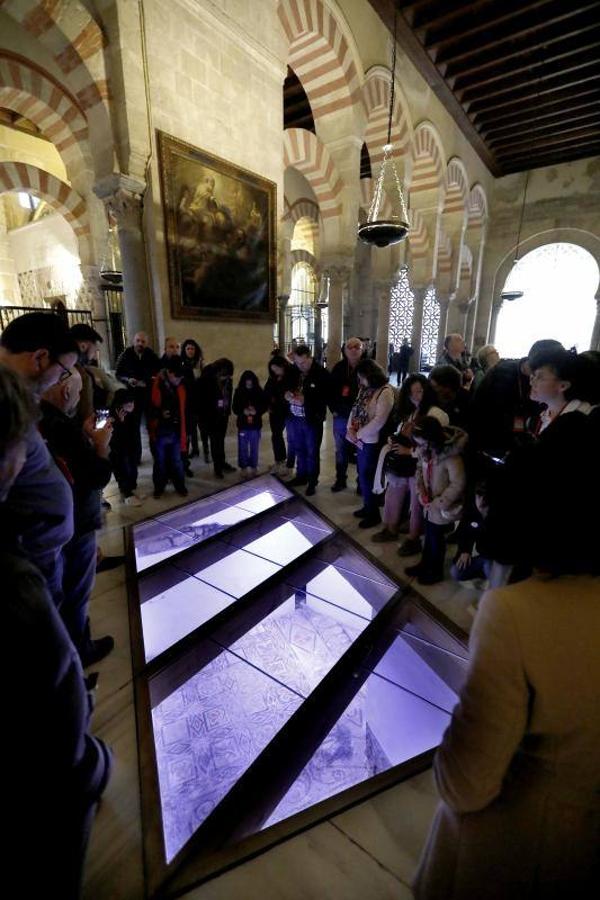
x,y
243,398
315,387
343,388
499,406
142,368
76,456
212,400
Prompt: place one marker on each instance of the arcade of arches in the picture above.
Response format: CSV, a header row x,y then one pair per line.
x,y
84,90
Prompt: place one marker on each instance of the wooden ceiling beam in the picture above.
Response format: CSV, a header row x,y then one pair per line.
x,y
589,135
538,161
589,100
563,69
541,106
530,136
553,88
493,71
536,30
447,13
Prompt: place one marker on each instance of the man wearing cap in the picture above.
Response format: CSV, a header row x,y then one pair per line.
x,y
39,348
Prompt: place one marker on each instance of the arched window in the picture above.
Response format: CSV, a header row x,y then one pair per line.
x,y
301,307
558,283
430,330
402,309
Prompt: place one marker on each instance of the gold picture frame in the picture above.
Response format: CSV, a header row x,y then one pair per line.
x,y
220,235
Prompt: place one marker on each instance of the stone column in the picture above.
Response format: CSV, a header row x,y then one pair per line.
x,y
10,292
444,304
338,278
383,294
417,328
282,322
123,197
496,307
91,297
595,342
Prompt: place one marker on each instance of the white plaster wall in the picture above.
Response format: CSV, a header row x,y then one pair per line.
x,y
48,252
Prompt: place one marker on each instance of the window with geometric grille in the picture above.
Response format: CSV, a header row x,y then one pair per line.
x,y
402,310
301,306
430,330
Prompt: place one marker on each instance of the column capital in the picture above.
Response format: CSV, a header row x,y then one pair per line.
x,y
283,300
123,198
497,304
336,271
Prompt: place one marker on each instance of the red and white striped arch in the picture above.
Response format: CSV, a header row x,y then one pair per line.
x,y
303,150
428,160
18,176
456,187
320,55
304,256
444,261
73,38
376,93
477,207
303,208
418,237
33,93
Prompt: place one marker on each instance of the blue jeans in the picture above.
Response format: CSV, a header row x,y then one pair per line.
x,y
342,446
248,444
167,461
79,574
479,567
366,463
306,441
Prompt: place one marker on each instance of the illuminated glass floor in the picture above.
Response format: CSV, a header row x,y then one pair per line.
x,y
277,668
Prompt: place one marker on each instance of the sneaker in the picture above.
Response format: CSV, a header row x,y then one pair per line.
x,y
338,486
132,500
97,650
410,548
384,535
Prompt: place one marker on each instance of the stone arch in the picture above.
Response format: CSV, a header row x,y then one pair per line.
x,y
303,208
305,152
303,256
376,93
32,92
427,176
17,176
323,57
456,187
477,207
418,237
75,40
444,264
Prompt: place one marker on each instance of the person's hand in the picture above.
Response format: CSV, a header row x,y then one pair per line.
x,y
133,382
351,436
288,396
251,411
463,560
359,444
101,438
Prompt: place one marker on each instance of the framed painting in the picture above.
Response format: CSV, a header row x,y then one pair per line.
x,y
220,235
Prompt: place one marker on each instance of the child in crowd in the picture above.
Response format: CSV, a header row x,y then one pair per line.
x,y
249,403
471,534
166,427
275,388
123,449
440,486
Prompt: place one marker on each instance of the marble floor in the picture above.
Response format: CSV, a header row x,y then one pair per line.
x,y
369,851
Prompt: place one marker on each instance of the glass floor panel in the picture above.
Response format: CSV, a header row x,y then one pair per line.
x,y
155,542
298,642
382,727
358,594
207,732
173,604
236,572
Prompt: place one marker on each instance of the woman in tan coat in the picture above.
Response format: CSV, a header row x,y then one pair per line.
x,y
518,769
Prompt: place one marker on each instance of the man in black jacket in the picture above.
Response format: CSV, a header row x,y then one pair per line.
x,y
343,389
307,397
82,455
136,367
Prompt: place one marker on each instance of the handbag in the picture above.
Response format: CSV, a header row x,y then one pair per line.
x,y
400,464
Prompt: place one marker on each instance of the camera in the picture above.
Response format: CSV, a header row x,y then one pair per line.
x,y
101,418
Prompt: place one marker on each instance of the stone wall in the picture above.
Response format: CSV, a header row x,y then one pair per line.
x,y
215,76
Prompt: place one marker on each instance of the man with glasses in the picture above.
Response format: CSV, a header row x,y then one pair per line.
x,y
40,350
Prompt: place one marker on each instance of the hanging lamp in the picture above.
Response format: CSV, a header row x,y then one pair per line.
x,y
383,232
516,295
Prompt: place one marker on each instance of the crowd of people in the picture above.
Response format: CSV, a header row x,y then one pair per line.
x,y
498,456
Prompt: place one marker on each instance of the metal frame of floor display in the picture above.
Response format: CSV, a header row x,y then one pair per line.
x,y
281,675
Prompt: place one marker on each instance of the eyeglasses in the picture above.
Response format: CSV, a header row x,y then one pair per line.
x,y
66,373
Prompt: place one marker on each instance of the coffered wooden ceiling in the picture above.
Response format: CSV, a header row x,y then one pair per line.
x,y
520,77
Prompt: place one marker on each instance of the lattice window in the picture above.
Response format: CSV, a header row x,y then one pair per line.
x,y
402,310
431,327
302,303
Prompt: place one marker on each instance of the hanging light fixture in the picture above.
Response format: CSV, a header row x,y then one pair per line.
x,y
516,295
383,232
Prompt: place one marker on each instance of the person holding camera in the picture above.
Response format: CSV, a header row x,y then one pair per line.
x,y
81,453
399,464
